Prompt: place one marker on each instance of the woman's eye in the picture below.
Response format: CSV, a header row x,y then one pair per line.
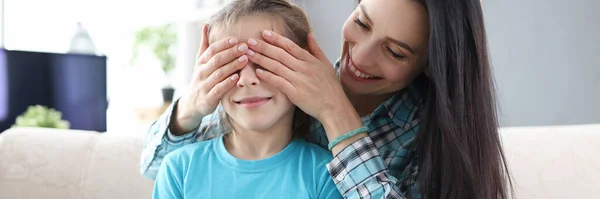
x,y
397,56
361,24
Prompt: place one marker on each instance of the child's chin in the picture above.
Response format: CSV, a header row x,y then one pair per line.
x,y
257,126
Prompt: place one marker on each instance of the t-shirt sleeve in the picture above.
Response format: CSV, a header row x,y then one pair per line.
x,y
169,179
329,190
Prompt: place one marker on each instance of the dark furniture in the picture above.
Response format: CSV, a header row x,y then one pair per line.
x,y
74,84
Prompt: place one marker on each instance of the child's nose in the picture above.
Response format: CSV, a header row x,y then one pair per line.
x,y
248,77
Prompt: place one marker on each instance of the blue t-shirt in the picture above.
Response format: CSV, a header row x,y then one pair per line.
x,y
207,170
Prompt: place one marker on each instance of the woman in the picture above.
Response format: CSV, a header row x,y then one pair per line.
x,y
416,72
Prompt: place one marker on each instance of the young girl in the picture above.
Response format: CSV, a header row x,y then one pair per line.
x,y
260,153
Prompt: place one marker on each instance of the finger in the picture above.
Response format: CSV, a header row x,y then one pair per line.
x,y
272,65
274,53
285,44
225,71
222,58
215,48
315,50
217,92
278,82
203,41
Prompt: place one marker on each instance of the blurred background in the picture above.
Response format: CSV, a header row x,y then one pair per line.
x,y
103,64
116,65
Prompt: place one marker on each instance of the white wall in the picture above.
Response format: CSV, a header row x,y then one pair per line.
x,y
546,59
327,18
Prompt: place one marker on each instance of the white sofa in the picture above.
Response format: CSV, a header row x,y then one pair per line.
x,y
546,162
554,162
67,164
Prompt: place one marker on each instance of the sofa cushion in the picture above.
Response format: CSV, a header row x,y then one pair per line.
x,y
545,162
554,161
52,163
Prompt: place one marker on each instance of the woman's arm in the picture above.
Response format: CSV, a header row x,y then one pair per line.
x,y
359,172
357,168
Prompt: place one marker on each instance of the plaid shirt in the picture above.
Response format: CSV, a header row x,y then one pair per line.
x,y
382,165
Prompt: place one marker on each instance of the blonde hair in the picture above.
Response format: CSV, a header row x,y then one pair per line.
x,y
292,18
296,28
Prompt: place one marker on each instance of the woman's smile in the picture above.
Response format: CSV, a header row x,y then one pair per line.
x,y
357,73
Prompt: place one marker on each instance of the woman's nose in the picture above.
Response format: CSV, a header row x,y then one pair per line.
x,y
363,54
248,77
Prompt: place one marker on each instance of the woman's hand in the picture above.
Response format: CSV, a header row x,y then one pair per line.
x,y
308,80
213,76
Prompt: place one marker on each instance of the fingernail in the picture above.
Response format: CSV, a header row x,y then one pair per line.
x,y
252,42
242,58
243,47
259,71
233,40
267,33
234,77
250,53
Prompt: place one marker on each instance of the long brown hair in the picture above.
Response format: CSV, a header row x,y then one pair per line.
x,y
297,28
459,146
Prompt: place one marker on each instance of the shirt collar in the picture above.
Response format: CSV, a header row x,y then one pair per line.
x,y
402,108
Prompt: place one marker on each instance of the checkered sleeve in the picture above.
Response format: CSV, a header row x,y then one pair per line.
x,y
359,172
160,141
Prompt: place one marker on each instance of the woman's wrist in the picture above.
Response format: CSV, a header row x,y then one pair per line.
x,y
183,122
339,121
340,124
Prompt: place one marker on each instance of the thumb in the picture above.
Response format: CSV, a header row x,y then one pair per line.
x,y
203,41
315,50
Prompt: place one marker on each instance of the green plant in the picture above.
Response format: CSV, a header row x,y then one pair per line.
x,y
161,39
41,116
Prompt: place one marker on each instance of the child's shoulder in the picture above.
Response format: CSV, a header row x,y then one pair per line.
x,y
315,152
185,153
